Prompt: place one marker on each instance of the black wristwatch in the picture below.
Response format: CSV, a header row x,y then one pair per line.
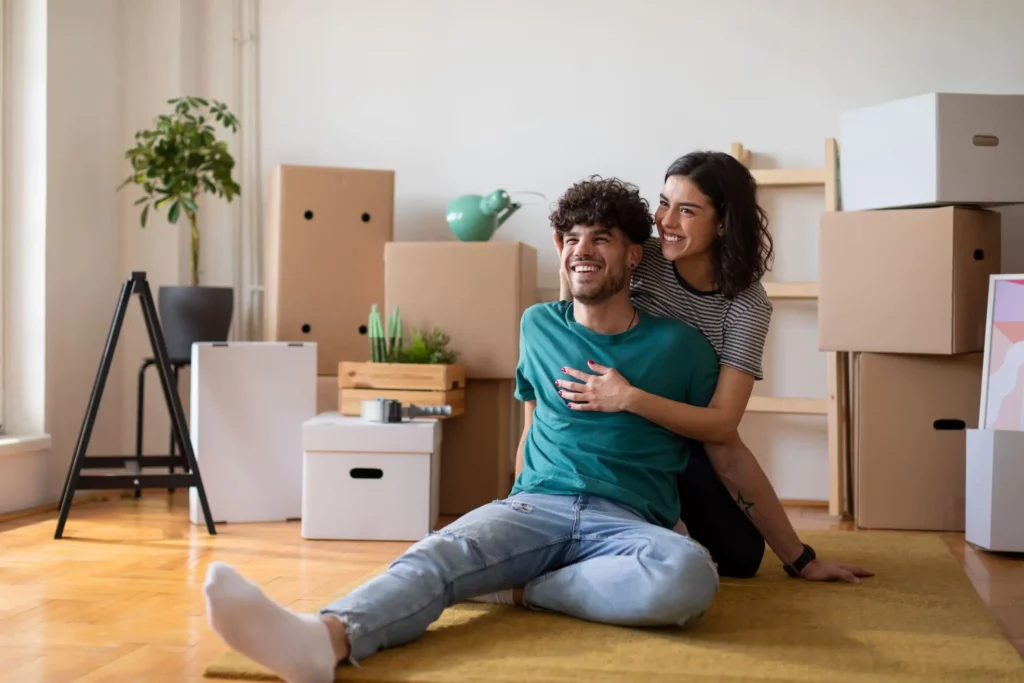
x,y
806,557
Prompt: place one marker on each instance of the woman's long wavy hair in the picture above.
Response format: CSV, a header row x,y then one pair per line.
x,y
743,253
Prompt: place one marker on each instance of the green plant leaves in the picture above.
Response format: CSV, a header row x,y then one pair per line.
x,y
179,158
387,346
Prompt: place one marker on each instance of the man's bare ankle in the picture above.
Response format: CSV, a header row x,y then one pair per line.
x,y
517,596
339,635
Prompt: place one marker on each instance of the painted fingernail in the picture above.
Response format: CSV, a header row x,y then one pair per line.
x,y
563,369
561,393
591,362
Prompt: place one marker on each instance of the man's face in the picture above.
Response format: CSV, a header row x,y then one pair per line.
x,y
597,261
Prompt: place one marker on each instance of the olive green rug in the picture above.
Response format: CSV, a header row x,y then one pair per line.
x,y
918,619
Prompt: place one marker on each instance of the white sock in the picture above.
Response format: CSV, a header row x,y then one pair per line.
x,y
297,647
502,597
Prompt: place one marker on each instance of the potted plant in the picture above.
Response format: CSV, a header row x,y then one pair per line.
x,y
174,163
423,371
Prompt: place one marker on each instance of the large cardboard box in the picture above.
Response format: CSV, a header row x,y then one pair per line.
x,y
910,420
478,447
939,148
474,291
327,397
325,234
906,280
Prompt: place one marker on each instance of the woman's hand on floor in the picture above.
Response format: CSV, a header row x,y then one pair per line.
x,y
823,570
606,391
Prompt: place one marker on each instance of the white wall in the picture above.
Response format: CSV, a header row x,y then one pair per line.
x,y
82,276
23,475
82,78
465,96
170,48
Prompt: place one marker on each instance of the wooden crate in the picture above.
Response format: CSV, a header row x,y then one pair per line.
x,y
424,385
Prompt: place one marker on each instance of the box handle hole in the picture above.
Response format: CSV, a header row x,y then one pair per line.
x,y
363,330
950,425
986,141
366,473
306,328
979,254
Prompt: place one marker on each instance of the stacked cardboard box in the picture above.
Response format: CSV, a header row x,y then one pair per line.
x,y
330,256
475,292
904,272
325,237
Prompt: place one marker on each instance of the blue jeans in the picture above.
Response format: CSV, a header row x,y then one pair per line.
x,y
576,555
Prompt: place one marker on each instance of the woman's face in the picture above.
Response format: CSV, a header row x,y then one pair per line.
x,y
686,220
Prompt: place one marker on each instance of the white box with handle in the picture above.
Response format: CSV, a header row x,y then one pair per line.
x,y
933,150
370,481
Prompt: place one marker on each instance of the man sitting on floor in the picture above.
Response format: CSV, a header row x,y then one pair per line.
x,y
587,529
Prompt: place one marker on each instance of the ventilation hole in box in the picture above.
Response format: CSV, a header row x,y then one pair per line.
x,y
366,473
362,329
306,328
979,254
366,218
308,215
950,425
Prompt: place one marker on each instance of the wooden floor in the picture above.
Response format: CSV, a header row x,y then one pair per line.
x,y
120,597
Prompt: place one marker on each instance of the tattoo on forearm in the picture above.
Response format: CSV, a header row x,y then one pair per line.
x,y
744,504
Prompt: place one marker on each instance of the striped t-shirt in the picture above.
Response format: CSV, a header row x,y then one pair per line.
x,y
736,328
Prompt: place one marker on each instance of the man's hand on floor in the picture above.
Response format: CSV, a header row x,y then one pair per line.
x,y
823,570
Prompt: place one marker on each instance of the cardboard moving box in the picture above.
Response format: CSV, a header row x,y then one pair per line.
x,y
325,236
326,393
939,148
474,291
906,281
910,420
478,448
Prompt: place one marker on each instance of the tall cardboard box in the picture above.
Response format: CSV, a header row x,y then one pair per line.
x,y
938,148
327,393
907,280
474,291
909,438
325,234
478,447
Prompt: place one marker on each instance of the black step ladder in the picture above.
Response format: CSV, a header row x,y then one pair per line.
x,y
131,475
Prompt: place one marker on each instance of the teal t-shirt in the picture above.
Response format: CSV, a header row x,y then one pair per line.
x,y
618,456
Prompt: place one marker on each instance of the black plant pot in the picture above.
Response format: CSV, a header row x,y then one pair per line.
x,y
194,314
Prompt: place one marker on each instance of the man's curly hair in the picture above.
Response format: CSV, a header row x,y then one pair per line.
x,y
608,202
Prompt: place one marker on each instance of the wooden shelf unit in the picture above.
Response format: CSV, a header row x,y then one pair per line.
x,y
835,406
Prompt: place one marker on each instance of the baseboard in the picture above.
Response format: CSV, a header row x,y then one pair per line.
x,y
802,503
52,507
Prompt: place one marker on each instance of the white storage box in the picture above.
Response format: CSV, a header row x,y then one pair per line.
x,y
995,478
369,481
249,400
935,149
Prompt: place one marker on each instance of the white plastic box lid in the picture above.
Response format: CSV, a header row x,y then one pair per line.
x,y
337,433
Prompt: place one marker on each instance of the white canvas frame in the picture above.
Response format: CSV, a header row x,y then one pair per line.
x,y
987,356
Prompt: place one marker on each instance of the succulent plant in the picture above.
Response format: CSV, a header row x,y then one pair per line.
x,y
387,346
